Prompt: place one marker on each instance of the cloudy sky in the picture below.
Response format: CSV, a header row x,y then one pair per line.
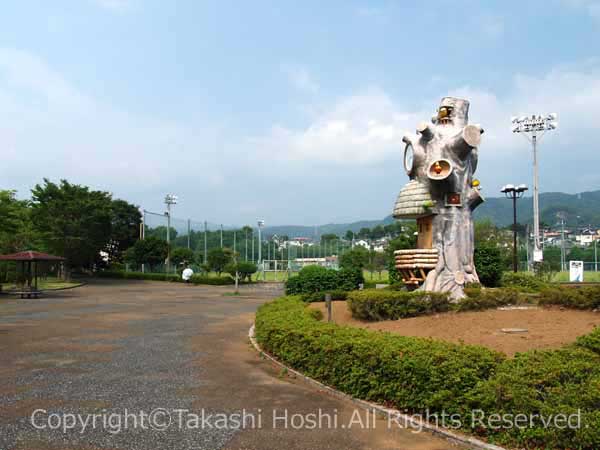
x,y
288,111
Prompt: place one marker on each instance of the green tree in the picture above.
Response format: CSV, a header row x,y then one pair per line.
x,y
406,239
380,262
349,235
245,269
357,259
182,255
151,251
125,226
16,231
73,221
328,237
218,258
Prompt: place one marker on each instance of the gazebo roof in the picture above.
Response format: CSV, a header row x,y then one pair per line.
x,y
30,256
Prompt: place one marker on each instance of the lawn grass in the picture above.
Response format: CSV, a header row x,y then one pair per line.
x,y
588,276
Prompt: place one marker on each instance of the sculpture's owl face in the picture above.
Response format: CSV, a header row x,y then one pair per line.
x,y
444,115
452,112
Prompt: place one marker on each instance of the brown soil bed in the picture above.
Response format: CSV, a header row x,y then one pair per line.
x,y
547,327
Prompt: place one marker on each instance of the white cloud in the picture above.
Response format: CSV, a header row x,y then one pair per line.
x,y
54,130
362,128
366,128
300,78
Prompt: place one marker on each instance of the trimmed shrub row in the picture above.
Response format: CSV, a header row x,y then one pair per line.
x,y
380,304
320,279
584,297
428,376
383,304
196,279
407,372
523,281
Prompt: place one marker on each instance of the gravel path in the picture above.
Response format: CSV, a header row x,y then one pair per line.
x,y
147,362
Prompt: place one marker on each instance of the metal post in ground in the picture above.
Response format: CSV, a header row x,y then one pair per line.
x,y
328,303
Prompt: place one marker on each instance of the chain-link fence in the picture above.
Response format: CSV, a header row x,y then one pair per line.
x,y
200,237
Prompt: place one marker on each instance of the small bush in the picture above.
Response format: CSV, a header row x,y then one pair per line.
x,y
585,297
313,279
480,299
590,341
488,260
379,304
523,281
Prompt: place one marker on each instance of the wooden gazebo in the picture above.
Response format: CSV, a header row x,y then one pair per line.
x,y
29,261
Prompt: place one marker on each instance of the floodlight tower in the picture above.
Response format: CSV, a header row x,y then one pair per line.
x,y
532,127
514,192
170,199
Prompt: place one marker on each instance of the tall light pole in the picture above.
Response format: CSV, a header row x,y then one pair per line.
x,y
514,192
261,223
563,260
170,199
533,127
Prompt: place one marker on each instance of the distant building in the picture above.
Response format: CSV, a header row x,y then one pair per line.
x,y
362,243
298,242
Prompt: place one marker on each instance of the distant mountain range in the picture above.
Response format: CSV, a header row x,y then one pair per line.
x,y
581,210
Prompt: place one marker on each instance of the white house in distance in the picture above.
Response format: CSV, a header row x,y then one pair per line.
x,y
362,243
587,237
298,242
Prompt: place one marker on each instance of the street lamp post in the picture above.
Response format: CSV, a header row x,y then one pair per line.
x,y
531,126
170,199
514,192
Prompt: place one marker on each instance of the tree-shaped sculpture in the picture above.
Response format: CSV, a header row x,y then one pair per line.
x,y
440,161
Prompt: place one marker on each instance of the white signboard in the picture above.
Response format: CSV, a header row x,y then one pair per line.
x,y
538,255
576,271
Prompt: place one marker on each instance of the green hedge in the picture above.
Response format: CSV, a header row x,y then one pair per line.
x,y
546,383
320,279
406,372
427,376
380,304
523,281
584,297
196,279
384,304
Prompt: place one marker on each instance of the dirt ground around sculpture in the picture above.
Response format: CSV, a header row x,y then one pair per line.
x,y
546,327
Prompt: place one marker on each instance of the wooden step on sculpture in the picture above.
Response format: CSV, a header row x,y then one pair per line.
x,y
414,264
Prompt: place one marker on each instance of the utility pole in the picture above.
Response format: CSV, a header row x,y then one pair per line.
x,y
532,125
205,242
596,255
234,241
221,235
170,199
253,260
563,260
